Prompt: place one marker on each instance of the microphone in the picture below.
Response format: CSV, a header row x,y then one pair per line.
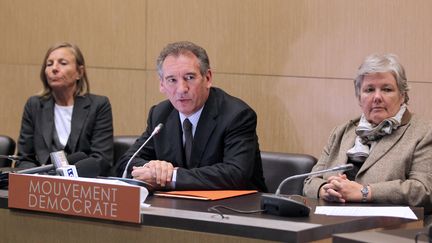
x,y
76,157
11,157
280,205
345,167
61,164
73,158
88,167
85,166
155,131
148,186
36,170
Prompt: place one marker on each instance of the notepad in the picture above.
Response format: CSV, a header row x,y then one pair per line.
x,y
205,195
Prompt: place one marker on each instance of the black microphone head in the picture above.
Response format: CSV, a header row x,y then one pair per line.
x,y
157,129
159,126
284,206
88,167
75,157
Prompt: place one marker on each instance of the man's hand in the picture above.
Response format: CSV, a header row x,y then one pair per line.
x,y
155,172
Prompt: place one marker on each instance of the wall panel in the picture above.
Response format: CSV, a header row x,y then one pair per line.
x,y
111,33
292,61
17,82
297,38
127,92
294,114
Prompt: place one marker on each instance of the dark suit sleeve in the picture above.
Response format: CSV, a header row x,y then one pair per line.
x,y
26,138
101,140
235,169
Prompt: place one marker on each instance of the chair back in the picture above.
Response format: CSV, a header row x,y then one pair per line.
x,y
122,144
7,147
278,166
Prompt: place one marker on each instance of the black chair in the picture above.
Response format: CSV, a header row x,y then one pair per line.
x,y
278,166
7,147
121,145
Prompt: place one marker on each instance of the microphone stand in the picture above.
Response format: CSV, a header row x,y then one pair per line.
x,y
11,157
155,131
131,181
277,204
337,168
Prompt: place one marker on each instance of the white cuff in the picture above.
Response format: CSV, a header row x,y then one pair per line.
x,y
173,179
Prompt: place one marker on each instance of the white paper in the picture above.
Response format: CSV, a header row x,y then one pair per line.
x,y
392,211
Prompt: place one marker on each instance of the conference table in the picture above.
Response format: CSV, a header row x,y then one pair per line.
x,y
187,220
397,235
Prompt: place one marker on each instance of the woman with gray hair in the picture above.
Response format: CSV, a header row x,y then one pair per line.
x,y
390,148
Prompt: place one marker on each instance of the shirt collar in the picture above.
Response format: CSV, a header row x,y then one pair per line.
x,y
194,118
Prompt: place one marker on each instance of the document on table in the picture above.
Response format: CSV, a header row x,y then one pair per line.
x,y
400,212
205,195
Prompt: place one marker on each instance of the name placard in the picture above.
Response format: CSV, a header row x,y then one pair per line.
x,y
75,197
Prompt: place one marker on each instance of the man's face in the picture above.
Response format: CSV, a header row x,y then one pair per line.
x,y
183,83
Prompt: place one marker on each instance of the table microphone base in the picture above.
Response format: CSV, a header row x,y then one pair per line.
x,y
283,206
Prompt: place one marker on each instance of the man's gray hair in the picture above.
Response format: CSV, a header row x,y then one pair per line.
x,y
183,47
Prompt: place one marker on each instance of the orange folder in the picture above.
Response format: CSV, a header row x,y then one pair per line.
x,y
205,195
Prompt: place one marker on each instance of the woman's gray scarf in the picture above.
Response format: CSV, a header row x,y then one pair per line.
x,y
368,135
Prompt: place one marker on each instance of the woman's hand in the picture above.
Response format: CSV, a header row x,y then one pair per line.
x,y
329,193
340,189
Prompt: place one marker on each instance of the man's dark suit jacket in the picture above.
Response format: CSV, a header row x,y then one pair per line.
x,y
91,130
225,150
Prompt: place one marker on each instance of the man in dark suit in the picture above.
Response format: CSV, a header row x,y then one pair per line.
x,y
222,151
